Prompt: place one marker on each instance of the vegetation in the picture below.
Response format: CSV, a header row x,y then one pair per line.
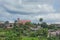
x,y
23,32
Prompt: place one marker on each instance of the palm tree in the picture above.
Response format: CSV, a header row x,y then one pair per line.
x,y
41,19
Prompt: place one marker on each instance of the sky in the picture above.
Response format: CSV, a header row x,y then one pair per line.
x,y
32,10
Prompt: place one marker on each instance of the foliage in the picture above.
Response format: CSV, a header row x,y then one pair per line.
x,y
41,19
23,32
42,32
51,27
44,25
7,22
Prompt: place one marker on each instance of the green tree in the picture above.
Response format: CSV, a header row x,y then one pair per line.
x,y
52,27
17,32
15,22
42,32
44,25
29,24
7,22
41,19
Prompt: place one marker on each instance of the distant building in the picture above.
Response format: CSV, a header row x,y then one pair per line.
x,y
10,25
22,21
56,25
1,24
35,28
53,33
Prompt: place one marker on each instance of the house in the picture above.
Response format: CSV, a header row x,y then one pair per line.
x,y
35,28
10,25
53,33
1,24
22,21
56,25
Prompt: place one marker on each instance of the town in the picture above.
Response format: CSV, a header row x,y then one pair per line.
x,y
29,19
25,29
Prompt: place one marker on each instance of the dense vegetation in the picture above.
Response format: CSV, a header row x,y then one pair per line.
x,y
23,32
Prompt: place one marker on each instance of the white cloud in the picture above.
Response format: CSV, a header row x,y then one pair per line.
x,y
50,18
18,5
31,7
47,8
4,13
39,1
57,22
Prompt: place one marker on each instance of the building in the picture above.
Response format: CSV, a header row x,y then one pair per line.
x,y
22,21
56,25
4,25
1,24
53,33
11,25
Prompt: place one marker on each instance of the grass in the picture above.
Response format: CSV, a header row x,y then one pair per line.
x,y
29,38
33,38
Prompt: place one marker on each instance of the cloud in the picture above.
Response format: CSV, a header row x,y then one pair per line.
x,y
29,10
39,1
50,18
18,6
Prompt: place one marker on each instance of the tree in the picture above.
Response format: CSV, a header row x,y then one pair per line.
x,y
42,32
29,24
15,22
7,22
41,19
17,32
33,34
44,25
52,27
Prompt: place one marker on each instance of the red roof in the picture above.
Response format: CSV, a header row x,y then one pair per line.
x,y
23,21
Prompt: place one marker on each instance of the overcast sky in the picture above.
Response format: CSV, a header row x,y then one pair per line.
x,y
32,10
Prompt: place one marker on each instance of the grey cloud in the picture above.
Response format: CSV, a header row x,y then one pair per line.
x,y
39,1
12,9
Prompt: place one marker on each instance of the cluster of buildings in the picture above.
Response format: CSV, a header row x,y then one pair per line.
x,y
18,21
53,33
10,25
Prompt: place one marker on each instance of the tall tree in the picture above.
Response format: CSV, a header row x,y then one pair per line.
x,y
17,31
44,25
7,22
41,19
15,22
